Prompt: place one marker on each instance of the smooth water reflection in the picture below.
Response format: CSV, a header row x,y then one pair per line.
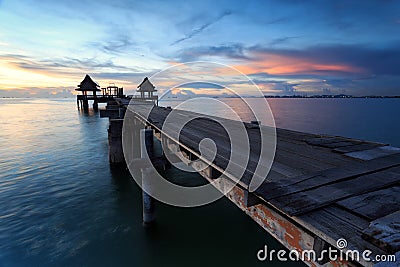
x,y
62,205
364,118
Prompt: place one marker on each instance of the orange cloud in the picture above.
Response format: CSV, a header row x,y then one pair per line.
x,y
17,73
281,64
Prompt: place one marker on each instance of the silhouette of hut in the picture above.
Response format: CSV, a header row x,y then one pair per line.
x,y
88,85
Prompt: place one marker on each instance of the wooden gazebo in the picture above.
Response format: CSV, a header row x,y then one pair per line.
x,y
88,85
146,87
147,90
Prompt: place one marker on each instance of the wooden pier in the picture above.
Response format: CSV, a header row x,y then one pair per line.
x,y
106,94
319,190
90,88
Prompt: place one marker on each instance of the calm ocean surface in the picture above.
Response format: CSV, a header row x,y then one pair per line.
x,y
62,205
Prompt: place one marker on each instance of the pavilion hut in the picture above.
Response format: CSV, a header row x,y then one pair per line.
x,y
88,85
146,90
146,87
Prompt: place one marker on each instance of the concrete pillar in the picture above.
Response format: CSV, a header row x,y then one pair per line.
x,y
115,152
146,147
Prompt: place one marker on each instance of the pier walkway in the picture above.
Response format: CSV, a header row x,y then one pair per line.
x,y
320,189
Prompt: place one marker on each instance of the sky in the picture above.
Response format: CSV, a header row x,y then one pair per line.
x,y
286,46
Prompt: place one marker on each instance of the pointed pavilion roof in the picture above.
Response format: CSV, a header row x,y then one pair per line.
x,y
87,84
146,86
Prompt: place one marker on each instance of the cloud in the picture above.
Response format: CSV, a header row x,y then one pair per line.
x,y
39,92
198,30
85,63
277,21
314,60
25,75
115,45
282,40
61,66
348,58
353,69
231,51
277,87
271,41
201,85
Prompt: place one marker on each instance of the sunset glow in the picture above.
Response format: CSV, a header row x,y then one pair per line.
x,y
48,46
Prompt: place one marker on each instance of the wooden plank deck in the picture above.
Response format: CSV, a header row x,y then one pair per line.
x,y
384,232
331,187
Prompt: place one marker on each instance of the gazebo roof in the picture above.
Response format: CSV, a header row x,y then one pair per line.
x,y
146,86
87,84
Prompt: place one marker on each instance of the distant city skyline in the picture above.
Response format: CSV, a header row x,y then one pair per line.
x,y
286,47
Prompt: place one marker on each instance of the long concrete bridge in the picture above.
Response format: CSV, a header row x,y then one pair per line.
x,y
320,189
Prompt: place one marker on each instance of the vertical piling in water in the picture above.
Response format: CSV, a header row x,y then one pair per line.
x,y
122,111
115,151
85,105
95,105
146,147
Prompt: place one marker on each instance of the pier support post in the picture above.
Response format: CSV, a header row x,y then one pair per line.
x,y
115,152
95,105
146,146
85,104
121,112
